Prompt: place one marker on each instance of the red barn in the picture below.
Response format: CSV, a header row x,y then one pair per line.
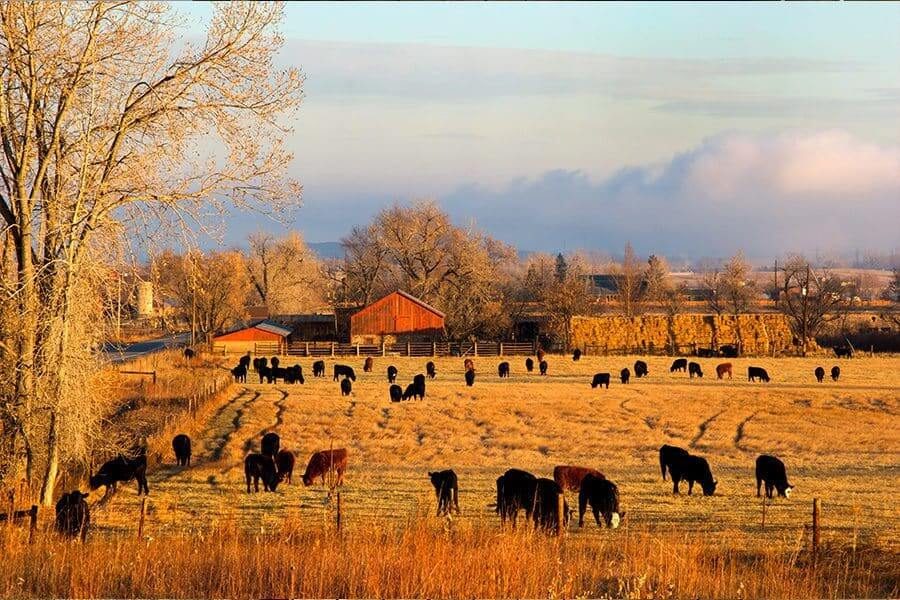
x,y
398,316
264,336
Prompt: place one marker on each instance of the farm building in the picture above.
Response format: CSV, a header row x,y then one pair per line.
x,y
265,336
396,317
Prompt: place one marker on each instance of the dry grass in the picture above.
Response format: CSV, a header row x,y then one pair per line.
x,y
840,442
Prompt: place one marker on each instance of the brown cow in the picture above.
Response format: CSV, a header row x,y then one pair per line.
x,y
323,462
569,477
469,364
367,366
722,369
540,355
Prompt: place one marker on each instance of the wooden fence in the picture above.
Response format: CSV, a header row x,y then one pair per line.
x,y
312,349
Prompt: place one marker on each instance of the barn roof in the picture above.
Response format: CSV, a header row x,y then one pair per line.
x,y
413,299
271,327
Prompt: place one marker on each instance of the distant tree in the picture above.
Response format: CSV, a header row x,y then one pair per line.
x,y
630,282
566,298
656,278
738,289
810,299
561,267
285,274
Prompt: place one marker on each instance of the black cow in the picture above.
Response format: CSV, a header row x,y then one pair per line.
x,y
640,369
470,377
392,374
600,379
181,444
270,445
244,361
446,488
668,455
771,470
259,363
346,387
429,369
275,362
576,355
603,496
240,374
396,393
319,368
624,376
820,374
294,375
284,463
503,369
189,353
419,382
754,373
694,369
122,469
705,353
410,392
529,364
692,469
728,351
680,364
835,373
546,506
843,351
258,466
515,490
543,367
265,374
73,516
344,371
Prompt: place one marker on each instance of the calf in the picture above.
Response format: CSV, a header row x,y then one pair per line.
x,y
835,373
419,382
122,469
73,516
430,370
324,462
468,364
503,370
319,368
284,463
368,364
258,466
820,374
570,477
722,369
692,469
843,351
529,364
754,373
470,377
392,374
240,374
771,470
668,455
396,393
346,387
680,364
600,379
446,488
603,496
576,355
546,506
181,444
344,371
515,490
640,369
542,366
694,369
270,444
624,376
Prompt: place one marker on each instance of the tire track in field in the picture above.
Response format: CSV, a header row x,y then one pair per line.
x,y
739,431
215,454
701,429
280,409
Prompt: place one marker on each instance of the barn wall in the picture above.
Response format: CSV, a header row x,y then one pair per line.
x,y
392,315
248,335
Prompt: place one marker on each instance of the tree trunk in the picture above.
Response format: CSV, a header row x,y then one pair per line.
x,y
49,484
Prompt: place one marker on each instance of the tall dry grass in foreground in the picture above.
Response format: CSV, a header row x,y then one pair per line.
x,y
424,559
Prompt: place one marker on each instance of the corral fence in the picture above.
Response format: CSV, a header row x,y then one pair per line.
x,y
312,349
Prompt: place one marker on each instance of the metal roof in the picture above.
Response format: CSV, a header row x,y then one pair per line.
x,y
272,328
424,305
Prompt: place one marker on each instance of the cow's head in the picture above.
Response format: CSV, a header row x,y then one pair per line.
x,y
709,487
786,492
98,480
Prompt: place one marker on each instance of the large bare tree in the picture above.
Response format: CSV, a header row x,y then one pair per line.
x,y
285,274
108,122
630,282
810,298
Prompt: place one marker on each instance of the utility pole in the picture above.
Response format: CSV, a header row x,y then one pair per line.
x,y
193,303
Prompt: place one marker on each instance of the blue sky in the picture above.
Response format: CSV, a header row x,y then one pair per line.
x,y
565,126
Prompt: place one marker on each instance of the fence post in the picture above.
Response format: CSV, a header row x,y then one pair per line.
x,y
434,348
501,348
383,348
475,347
332,348
560,513
338,511
817,507
141,521
32,526
357,349
408,351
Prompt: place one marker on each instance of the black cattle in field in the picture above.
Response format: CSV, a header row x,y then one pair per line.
x,y
624,376
284,463
240,374
396,393
73,516
470,377
569,477
392,374
546,506
419,382
576,355
344,371
294,375
690,468
181,444
346,387
368,364
430,370
640,369
275,362
244,361
820,374
680,364
600,379
843,351
189,353
529,364
603,496
694,369
266,374
835,373
270,444
771,471
515,491
259,363
705,353
503,370
542,366
319,368
258,466
667,455
754,373
121,469
728,351
446,488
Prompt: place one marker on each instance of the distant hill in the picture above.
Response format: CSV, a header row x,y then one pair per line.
x,y
327,249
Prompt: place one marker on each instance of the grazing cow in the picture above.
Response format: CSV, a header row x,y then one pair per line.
x,y
603,496
244,361
600,379
258,466
835,373
240,374
265,373
430,370
181,444
446,488
73,516
705,353
396,393
275,362
692,469
319,368
270,444
546,505
529,364
344,371
754,373
411,391
468,364
346,387
189,353
470,377
368,364
122,469
284,463
392,374
324,462
668,455
419,382
694,369
722,369
294,375
624,376
576,355
515,490
540,355
503,370
820,374
680,364
640,369
771,470
843,351
569,477
542,366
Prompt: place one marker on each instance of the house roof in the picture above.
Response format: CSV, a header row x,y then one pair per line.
x,y
271,327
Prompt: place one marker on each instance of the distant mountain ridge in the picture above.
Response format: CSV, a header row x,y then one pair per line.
x,y
326,250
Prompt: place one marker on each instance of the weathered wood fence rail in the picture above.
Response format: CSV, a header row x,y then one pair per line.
x,y
313,349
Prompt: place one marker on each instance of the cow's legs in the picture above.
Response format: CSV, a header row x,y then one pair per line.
x,y
690,486
597,515
248,482
758,484
675,480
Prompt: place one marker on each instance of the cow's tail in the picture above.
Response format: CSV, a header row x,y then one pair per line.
x,y
662,463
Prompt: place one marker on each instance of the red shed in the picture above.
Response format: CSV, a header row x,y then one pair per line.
x,y
265,334
397,316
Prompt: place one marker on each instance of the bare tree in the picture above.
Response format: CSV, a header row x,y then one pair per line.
x,y
285,274
809,299
630,282
563,293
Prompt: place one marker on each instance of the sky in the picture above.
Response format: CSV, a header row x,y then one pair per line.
x,y
686,129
